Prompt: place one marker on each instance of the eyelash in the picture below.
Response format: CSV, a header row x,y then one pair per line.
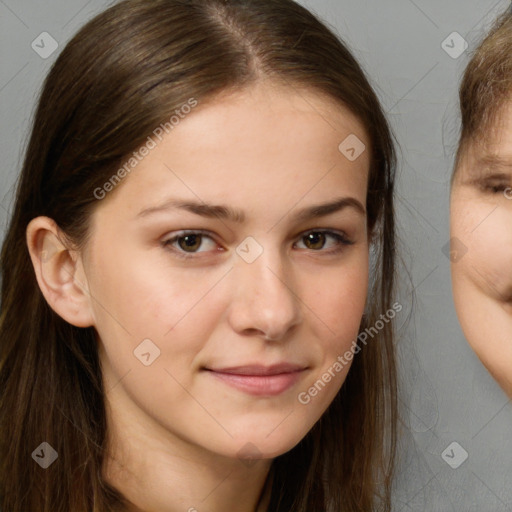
x,y
493,187
340,238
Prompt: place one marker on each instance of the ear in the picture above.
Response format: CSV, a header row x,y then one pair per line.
x,y
59,272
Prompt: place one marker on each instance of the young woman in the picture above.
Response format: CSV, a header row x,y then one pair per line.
x,y
481,204
187,277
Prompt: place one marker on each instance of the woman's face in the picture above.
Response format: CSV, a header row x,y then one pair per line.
x,y
229,271
481,230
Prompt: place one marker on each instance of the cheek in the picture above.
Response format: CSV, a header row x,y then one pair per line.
x,y
492,247
338,309
485,230
482,281
338,302
136,300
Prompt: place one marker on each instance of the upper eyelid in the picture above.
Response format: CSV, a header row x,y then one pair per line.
x,y
327,231
490,177
487,182
490,182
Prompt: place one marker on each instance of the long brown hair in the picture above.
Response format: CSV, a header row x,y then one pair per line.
x,y
122,75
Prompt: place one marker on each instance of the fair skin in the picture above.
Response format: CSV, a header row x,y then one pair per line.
x,y
481,218
178,427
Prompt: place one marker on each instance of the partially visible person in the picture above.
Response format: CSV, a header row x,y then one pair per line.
x,y
481,204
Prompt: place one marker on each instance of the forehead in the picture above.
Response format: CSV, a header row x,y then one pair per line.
x,y
263,149
275,103
491,146
278,119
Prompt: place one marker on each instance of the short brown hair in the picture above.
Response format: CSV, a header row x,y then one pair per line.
x,y
487,83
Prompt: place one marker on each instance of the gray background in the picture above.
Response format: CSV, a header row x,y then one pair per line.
x,y
447,395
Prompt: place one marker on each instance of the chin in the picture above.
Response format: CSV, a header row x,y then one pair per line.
x,y
266,444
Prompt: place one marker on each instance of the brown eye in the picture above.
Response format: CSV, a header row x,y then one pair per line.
x,y
314,240
190,243
325,242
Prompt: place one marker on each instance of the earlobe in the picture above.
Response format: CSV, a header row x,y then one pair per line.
x,y
59,272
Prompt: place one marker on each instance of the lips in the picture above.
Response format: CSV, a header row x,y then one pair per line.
x,y
260,380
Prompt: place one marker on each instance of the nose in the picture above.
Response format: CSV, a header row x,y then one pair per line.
x,y
265,302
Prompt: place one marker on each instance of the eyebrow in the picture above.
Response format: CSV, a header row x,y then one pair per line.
x,y
488,166
238,216
495,162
